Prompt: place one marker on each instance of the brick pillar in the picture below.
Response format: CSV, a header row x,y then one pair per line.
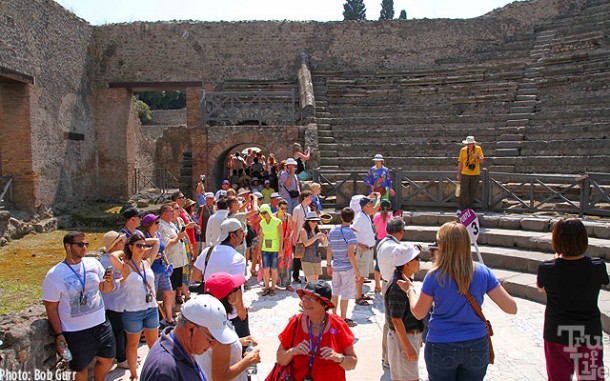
x,y
16,143
198,137
115,137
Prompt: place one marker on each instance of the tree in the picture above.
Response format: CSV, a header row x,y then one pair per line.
x,y
163,100
354,10
403,15
143,111
387,10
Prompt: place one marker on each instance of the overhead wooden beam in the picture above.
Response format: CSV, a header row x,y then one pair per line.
x,y
155,86
6,73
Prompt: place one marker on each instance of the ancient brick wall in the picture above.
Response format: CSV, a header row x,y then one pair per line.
x,y
41,39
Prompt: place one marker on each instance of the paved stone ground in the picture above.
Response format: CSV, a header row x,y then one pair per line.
x,y
517,340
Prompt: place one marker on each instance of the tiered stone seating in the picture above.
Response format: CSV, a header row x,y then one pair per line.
x,y
538,104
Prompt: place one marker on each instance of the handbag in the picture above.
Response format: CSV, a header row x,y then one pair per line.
x,y
299,250
283,373
490,332
292,193
198,287
303,176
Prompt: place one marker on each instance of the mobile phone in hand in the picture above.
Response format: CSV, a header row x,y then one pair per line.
x,y
183,228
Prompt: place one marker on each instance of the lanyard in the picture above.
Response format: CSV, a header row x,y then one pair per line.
x,y
143,276
314,349
193,363
342,235
82,280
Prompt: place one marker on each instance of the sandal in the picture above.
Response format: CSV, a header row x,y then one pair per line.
x,y
266,292
350,323
289,288
272,292
362,302
366,297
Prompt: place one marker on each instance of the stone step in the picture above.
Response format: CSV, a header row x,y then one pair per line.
x,y
325,139
507,144
525,103
527,90
526,98
502,152
502,168
529,109
325,133
520,115
511,137
517,122
526,240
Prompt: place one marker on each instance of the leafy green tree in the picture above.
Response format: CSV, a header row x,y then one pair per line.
x,y
163,100
354,10
143,111
387,10
403,15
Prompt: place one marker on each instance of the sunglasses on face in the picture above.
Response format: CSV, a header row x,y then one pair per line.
x,y
139,245
80,244
263,213
283,208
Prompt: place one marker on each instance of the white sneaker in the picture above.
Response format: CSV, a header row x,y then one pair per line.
x,y
123,365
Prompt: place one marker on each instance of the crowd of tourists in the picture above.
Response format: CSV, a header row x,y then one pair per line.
x,y
175,279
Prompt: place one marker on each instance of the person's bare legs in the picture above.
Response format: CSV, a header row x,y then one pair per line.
x,y
266,278
343,308
151,335
83,375
273,279
101,368
132,353
335,301
377,281
168,305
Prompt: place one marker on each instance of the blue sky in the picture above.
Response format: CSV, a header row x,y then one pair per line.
x,y
114,11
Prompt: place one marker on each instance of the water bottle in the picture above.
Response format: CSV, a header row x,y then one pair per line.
x,y
66,355
252,368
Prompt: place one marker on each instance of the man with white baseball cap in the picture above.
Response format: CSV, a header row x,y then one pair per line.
x,y
389,251
223,258
289,184
202,323
404,337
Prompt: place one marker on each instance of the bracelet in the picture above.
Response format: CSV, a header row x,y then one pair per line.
x,y
342,359
410,289
58,334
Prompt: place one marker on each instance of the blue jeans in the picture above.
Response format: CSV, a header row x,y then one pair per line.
x,y
292,203
270,260
463,360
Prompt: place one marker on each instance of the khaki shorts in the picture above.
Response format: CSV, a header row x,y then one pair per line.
x,y
311,268
400,367
344,284
364,258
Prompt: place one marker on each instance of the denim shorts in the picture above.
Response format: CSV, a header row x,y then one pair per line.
x,y
462,360
162,283
136,321
270,260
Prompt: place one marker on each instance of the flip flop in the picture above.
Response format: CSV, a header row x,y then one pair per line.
x,y
362,302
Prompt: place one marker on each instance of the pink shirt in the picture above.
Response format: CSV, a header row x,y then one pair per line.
x,y
380,225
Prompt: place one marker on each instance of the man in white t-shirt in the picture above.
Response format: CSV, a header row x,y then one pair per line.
x,y
298,219
74,305
365,233
223,258
389,251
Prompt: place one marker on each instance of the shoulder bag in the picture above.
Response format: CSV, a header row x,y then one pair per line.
x,y
284,373
473,303
198,287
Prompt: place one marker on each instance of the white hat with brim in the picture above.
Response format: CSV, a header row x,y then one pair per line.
x,y
207,311
291,161
229,225
275,195
378,157
404,253
469,140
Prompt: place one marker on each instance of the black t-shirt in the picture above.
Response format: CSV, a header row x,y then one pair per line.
x,y
572,288
397,306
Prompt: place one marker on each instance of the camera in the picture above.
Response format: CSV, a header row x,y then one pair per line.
x,y
203,178
471,167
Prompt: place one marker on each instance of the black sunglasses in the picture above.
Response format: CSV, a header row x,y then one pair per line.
x,y
80,244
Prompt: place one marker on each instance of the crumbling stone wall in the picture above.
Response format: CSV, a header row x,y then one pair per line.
x,y
43,40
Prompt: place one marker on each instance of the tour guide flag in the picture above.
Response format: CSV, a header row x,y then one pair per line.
x,y
469,219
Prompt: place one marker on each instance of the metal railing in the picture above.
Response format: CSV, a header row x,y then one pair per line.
x,y
235,107
512,192
6,197
162,181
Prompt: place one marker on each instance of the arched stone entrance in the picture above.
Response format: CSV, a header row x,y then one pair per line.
x,y
212,144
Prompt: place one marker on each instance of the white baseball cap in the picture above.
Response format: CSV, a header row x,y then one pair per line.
x,y
404,253
229,225
207,311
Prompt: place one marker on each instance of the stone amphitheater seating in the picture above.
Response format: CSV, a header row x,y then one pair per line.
x,y
538,104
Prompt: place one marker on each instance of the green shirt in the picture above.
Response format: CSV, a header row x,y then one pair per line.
x,y
271,235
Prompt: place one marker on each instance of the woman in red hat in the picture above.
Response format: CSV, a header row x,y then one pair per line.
x,y
318,345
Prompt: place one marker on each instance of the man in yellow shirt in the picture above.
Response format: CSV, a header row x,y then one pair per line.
x,y
469,170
